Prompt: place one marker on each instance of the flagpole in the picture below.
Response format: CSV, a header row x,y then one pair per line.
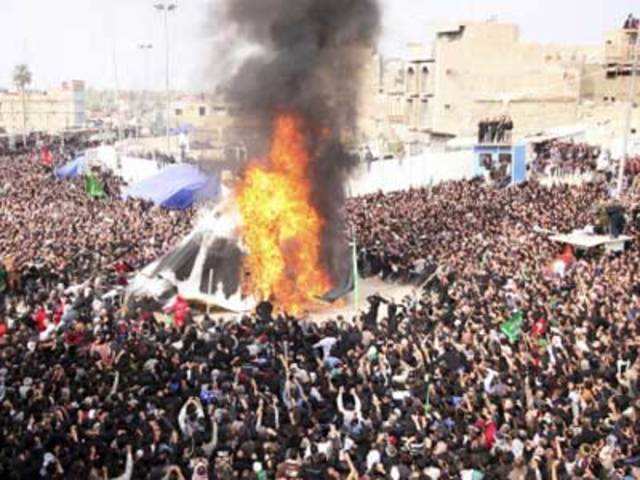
x,y
209,289
356,280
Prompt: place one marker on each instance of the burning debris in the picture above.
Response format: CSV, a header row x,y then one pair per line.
x,y
302,85
282,228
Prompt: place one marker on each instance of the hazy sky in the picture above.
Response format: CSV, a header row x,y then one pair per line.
x,y
86,39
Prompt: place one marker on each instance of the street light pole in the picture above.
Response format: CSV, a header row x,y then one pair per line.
x,y
166,7
117,92
146,49
629,113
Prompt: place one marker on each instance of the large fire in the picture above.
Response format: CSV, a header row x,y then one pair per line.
x,y
281,227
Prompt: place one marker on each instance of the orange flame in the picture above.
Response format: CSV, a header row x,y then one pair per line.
x,y
281,227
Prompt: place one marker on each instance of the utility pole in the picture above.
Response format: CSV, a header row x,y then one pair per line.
x,y
629,113
165,7
117,93
146,49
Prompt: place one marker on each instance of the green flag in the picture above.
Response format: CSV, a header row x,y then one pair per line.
x,y
3,279
93,187
512,328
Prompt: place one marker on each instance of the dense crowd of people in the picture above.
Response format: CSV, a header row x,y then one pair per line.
x,y
632,166
427,388
51,229
631,23
565,157
568,388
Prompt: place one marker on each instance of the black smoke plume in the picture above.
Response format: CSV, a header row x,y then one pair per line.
x,y
308,59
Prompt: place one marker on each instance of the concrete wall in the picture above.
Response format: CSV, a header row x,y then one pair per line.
x,y
412,172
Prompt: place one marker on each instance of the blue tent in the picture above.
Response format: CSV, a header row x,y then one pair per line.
x,y
72,169
182,128
176,187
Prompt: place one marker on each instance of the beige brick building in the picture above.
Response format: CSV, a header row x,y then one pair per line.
x,y
50,111
607,81
484,69
475,70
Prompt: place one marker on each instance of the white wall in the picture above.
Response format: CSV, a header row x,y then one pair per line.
x,y
419,171
131,169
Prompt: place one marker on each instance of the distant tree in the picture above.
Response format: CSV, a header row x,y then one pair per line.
x,y
22,79
397,148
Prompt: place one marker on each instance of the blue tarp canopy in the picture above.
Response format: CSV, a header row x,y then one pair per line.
x,y
183,128
72,169
176,187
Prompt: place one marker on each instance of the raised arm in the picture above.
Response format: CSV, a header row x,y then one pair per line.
x,y
340,401
128,469
116,382
182,416
358,403
209,447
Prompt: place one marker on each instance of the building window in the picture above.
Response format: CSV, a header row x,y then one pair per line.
x,y
409,112
447,107
411,81
424,115
178,112
202,111
425,80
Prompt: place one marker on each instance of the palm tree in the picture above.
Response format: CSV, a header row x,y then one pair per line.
x,y
22,79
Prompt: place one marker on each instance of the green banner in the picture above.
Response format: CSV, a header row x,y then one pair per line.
x,y
512,328
93,187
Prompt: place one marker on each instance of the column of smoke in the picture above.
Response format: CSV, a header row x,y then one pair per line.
x,y
307,57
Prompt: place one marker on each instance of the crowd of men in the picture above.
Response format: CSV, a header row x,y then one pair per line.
x,y
631,23
497,130
51,230
565,157
632,166
427,388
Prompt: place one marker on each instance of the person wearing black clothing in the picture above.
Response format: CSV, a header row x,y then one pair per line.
x,y
508,127
493,131
482,131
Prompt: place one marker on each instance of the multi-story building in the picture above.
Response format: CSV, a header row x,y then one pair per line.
x,y
608,80
476,70
49,111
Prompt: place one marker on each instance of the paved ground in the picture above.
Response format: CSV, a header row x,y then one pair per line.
x,y
347,307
